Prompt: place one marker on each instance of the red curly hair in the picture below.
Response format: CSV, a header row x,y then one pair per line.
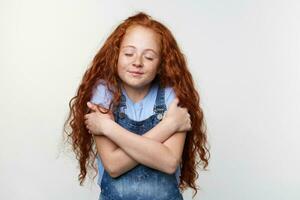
x,y
173,72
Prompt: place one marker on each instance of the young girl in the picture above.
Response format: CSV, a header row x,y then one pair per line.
x,y
127,105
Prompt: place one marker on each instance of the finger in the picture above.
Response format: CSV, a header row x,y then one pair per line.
x,y
89,129
92,106
88,110
188,115
99,108
86,116
174,102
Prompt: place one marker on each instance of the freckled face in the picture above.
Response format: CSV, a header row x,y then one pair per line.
x,y
139,57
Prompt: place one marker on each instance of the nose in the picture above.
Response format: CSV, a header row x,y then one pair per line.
x,y
138,61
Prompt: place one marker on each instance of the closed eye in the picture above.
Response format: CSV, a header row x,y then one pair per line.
x,y
128,54
149,58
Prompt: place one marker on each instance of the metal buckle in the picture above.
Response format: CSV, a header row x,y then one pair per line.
x,y
158,109
160,115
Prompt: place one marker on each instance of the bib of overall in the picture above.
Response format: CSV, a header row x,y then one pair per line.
x,y
141,182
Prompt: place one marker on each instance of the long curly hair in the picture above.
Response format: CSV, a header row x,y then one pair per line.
x,y
173,72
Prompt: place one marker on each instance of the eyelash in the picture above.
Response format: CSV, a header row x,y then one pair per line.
x,y
128,54
149,58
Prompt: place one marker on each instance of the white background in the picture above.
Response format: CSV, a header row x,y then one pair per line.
x,y
244,56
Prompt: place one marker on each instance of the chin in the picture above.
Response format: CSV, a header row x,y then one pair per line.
x,y
136,84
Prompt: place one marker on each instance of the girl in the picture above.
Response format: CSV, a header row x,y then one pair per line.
x,y
126,114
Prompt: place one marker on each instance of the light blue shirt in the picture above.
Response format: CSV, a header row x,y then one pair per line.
x,y
136,111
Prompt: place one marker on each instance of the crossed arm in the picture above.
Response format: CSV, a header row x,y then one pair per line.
x,y
121,150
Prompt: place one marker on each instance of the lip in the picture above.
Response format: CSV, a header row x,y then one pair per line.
x,y
136,72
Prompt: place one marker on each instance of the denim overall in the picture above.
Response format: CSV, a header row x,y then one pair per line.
x,y
141,182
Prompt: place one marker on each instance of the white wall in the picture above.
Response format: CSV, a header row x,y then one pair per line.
x,y
245,58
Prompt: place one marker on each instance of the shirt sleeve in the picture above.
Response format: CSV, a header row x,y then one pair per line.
x,y
169,96
101,95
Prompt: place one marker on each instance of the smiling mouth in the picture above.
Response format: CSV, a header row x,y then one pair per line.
x,y
136,73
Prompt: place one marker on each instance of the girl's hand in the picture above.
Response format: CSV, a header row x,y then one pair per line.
x,y
96,122
178,117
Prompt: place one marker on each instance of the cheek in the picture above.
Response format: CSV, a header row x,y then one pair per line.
x,y
123,60
119,70
121,64
154,69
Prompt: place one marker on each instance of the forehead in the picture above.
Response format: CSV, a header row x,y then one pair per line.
x,y
141,37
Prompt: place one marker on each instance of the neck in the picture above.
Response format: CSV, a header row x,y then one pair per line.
x,y
137,94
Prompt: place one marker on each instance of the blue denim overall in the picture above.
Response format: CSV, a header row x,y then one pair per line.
x,y
141,182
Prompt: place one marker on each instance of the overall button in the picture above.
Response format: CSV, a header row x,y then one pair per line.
x,y
122,115
159,116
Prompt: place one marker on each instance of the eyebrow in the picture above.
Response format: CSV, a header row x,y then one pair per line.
x,y
135,48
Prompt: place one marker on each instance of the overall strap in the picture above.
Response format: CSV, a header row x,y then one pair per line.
x,y
122,106
160,106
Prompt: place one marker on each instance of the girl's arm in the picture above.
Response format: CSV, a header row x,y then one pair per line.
x,y
163,157
119,161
